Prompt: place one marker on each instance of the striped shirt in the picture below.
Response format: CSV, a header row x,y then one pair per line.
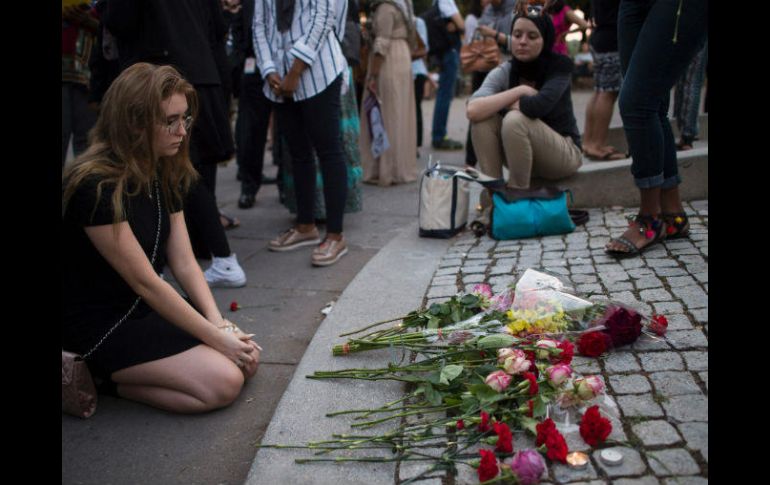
x,y
311,38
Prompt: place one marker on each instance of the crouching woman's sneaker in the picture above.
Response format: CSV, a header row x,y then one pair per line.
x,y
225,273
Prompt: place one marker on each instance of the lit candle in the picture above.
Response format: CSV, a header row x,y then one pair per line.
x,y
577,460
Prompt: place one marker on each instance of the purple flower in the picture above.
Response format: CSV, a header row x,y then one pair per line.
x,y
502,301
528,466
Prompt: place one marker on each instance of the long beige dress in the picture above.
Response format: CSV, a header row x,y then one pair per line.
x,y
398,164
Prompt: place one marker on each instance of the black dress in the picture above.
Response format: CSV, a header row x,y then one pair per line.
x,y
95,297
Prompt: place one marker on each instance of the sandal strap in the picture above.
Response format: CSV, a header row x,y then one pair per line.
x,y
632,249
649,223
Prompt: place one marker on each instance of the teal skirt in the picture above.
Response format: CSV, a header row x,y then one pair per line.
x,y
350,128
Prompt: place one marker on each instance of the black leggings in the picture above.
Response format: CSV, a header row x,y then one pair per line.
x,y
201,214
309,124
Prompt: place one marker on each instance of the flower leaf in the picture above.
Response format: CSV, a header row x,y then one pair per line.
x,y
449,373
496,341
432,395
529,424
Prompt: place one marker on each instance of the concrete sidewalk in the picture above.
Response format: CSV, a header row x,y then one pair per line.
x,y
389,268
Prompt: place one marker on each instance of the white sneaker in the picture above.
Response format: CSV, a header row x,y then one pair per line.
x,y
225,273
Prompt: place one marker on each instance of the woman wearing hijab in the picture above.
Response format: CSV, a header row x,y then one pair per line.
x,y
522,115
389,79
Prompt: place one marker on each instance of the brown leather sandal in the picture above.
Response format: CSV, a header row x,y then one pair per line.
x,y
653,229
677,225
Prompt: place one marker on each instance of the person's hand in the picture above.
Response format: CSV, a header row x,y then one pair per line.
x,y
289,84
451,27
250,368
234,345
274,81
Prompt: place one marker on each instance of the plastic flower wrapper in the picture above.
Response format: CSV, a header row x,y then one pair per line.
x,y
544,304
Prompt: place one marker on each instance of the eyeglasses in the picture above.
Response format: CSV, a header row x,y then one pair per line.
x,y
173,126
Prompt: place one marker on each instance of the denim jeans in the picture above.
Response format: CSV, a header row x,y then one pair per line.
x,y
314,123
251,132
651,64
450,63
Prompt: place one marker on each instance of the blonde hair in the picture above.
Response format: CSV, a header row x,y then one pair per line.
x,y
121,143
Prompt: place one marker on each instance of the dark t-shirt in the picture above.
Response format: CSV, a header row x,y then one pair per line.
x,y
605,36
94,295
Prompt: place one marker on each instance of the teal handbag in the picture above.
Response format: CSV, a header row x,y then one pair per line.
x,y
519,213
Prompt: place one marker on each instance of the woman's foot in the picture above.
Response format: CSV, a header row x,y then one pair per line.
x,y
677,225
606,154
643,231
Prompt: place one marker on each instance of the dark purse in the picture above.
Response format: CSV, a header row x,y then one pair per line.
x,y
78,392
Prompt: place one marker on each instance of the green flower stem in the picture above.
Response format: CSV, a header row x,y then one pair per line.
x,y
402,415
376,324
366,459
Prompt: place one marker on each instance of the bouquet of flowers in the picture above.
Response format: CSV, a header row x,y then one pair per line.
x,y
484,365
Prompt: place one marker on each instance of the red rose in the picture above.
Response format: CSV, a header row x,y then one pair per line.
x,y
622,324
488,466
593,344
531,406
484,425
543,430
533,387
504,438
659,324
234,306
593,427
460,424
567,351
557,447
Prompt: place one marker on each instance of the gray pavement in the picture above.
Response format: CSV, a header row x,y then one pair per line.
x,y
390,268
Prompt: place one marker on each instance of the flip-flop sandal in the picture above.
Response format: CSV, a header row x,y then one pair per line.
x,y
653,230
677,225
607,157
232,222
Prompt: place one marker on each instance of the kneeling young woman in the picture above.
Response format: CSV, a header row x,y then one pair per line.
x,y
122,224
522,116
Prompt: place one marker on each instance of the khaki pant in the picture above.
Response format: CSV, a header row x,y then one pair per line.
x,y
527,146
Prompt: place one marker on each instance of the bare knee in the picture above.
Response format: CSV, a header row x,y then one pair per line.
x,y
223,386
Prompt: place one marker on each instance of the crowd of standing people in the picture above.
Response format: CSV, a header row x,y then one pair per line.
x,y
147,95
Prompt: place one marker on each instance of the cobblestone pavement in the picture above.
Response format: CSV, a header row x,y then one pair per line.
x,y
660,387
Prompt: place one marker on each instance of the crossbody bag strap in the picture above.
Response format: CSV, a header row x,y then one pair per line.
x,y
138,298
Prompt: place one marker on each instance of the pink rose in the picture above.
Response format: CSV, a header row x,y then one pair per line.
x,y
516,363
589,387
567,399
545,344
498,380
482,289
558,374
503,354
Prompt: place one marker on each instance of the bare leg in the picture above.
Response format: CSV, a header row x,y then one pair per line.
x,y
197,380
589,138
605,104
